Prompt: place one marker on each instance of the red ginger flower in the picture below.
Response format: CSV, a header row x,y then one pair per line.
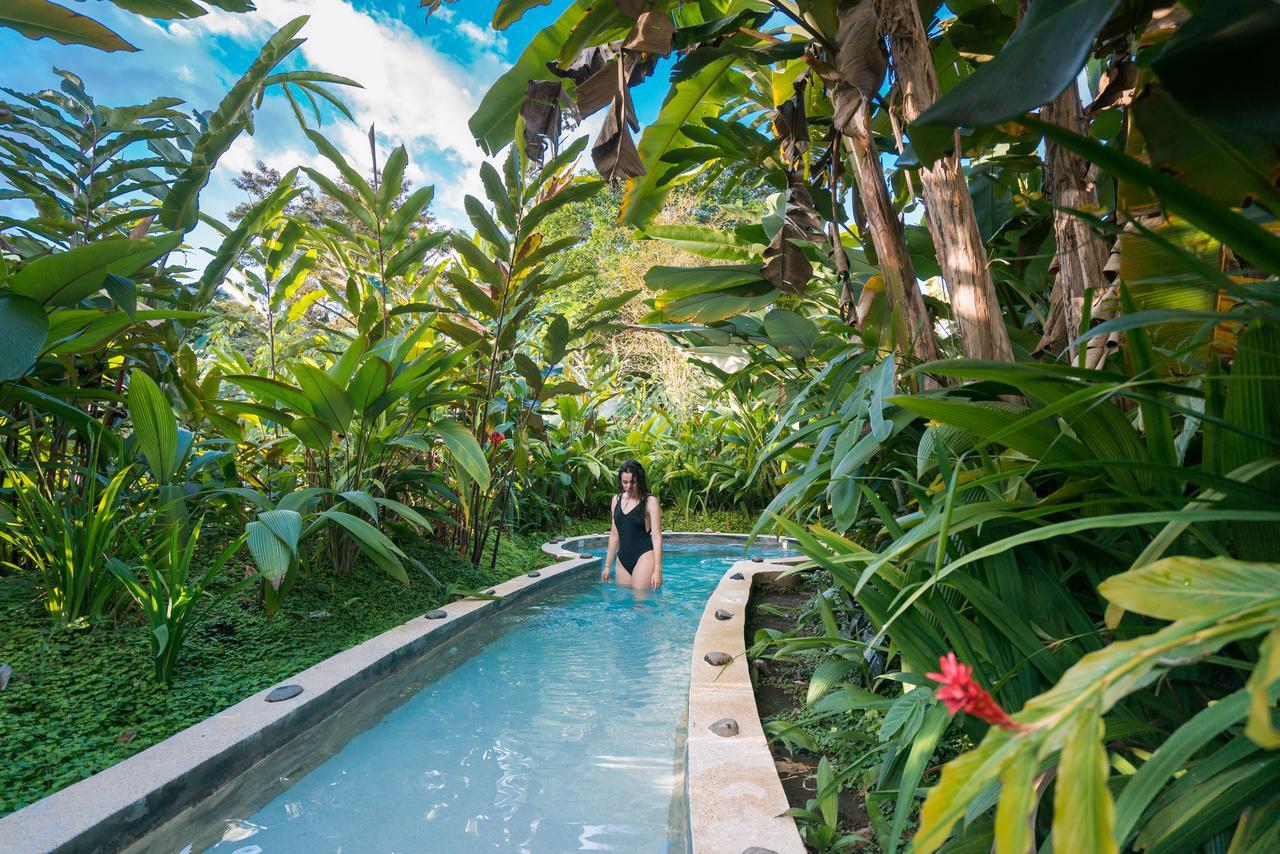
x,y
962,694
495,438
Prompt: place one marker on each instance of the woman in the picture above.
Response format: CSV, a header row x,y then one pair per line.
x,y
636,534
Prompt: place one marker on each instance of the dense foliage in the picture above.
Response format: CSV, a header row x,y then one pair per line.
x,y
977,301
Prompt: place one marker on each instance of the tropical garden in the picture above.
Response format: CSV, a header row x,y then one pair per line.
x,y
977,301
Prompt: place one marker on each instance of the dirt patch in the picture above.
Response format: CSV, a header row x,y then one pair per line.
x,y
781,687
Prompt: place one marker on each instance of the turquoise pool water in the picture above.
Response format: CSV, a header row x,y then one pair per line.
x,y
555,726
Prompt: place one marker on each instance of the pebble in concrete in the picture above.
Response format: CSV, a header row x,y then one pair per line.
x,y
489,592
717,659
757,560
284,692
534,574
756,849
722,614
437,614
737,576
725,727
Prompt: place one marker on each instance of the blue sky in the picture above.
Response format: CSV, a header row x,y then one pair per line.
x,y
423,78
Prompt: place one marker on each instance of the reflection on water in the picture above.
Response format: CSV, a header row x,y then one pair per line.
x,y
552,727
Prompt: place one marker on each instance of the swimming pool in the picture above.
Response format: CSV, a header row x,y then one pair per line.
x,y
553,726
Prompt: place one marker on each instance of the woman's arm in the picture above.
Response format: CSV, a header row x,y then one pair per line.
x,y
613,542
655,535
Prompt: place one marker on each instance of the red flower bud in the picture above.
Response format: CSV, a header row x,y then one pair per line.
x,y
495,438
962,694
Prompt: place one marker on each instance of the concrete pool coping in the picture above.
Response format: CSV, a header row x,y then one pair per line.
x,y
736,800
121,803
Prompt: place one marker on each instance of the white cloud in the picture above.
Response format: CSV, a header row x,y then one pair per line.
x,y
482,36
414,93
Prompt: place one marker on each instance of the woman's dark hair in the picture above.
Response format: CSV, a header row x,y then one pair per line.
x,y
636,471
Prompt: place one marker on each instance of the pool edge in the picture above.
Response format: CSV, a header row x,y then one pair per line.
x,y
736,799
121,803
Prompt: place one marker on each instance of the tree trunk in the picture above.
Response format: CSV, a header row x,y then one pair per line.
x,y
948,206
914,329
1079,255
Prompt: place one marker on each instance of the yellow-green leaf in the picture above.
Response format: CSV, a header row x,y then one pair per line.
x,y
1084,815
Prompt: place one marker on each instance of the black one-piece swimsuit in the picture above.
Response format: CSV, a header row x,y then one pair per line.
x,y
633,539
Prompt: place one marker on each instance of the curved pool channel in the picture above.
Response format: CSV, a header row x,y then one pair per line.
x,y
555,725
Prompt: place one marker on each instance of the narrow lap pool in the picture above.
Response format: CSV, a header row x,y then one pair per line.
x,y
554,726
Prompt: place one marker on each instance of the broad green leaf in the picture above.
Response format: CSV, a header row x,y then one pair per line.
x,y
23,328
285,524
369,384
687,102
790,331
707,242
363,500
510,11
479,261
39,19
372,542
1017,797
328,401
392,180
579,191
273,391
1041,58
556,340
494,121
65,278
399,223
272,557
486,227
1179,587
826,676
1083,812
1253,411
963,778
155,426
349,173
400,263
312,432
1266,672
465,450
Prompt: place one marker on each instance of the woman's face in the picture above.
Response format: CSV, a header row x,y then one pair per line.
x,y
628,480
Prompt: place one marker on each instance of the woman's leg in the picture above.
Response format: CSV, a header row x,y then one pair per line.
x,y
642,571
621,577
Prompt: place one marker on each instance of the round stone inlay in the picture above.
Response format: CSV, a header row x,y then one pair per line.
x,y
534,574
737,576
284,692
722,614
725,727
717,658
437,614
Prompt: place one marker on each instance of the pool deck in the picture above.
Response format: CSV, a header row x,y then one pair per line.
x,y
121,803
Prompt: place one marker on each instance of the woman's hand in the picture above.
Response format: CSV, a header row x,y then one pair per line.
x,y
655,580
604,576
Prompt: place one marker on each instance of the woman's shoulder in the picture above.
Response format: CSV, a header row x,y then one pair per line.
x,y
652,501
